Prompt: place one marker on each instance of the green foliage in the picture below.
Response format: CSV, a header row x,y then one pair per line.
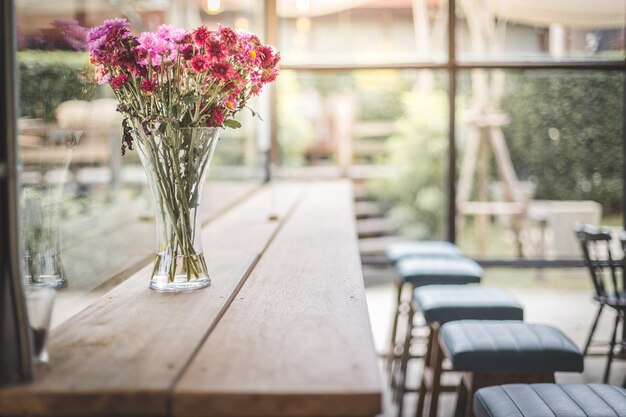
x,y
566,134
378,93
295,130
416,155
50,78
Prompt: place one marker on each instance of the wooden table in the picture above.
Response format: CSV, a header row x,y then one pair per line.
x,y
283,330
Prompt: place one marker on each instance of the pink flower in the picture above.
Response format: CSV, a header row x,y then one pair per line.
x,y
156,49
171,33
231,102
118,81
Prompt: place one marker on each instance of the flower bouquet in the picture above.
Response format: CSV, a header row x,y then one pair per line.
x,y
177,90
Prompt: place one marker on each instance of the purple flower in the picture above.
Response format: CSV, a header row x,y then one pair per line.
x,y
111,43
106,28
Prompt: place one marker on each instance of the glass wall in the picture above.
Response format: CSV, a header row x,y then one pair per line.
x,y
87,215
536,149
388,125
539,150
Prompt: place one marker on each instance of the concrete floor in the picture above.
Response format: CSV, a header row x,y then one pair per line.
x,y
570,309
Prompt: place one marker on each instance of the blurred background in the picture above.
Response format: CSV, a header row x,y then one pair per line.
x,y
368,90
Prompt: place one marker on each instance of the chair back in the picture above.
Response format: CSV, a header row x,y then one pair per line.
x,y
605,267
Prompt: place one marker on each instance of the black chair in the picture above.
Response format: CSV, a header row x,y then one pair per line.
x,y
607,276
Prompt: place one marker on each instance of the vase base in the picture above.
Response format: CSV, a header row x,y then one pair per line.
x,y
47,281
179,285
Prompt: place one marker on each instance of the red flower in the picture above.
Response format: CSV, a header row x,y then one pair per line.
x,y
228,36
217,117
269,59
215,49
139,71
148,86
256,89
269,75
119,80
200,35
222,71
199,63
187,52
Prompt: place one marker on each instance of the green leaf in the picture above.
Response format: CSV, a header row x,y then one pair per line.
x,y
232,123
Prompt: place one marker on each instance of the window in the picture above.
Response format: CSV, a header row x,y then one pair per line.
x,y
537,108
87,218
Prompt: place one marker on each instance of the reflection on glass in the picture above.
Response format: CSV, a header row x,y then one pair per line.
x,y
362,32
41,199
540,150
81,203
39,303
541,30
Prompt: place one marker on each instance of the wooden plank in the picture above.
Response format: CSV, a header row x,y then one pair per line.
x,y
121,355
297,339
96,248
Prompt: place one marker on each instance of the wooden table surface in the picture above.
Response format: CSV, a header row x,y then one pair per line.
x,y
282,331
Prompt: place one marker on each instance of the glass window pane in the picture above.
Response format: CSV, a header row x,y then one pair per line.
x,y
539,151
362,32
387,126
532,30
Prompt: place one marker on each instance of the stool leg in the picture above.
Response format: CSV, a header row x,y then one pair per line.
x,y
437,365
394,330
461,399
424,388
403,365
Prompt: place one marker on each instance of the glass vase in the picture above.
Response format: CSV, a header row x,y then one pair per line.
x,y
176,161
42,196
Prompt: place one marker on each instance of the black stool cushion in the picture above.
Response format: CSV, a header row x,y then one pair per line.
x,y
508,346
439,270
399,250
550,400
444,303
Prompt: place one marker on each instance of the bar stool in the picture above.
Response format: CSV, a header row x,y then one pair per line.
x,y
400,250
440,304
424,270
428,248
550,400
503,352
